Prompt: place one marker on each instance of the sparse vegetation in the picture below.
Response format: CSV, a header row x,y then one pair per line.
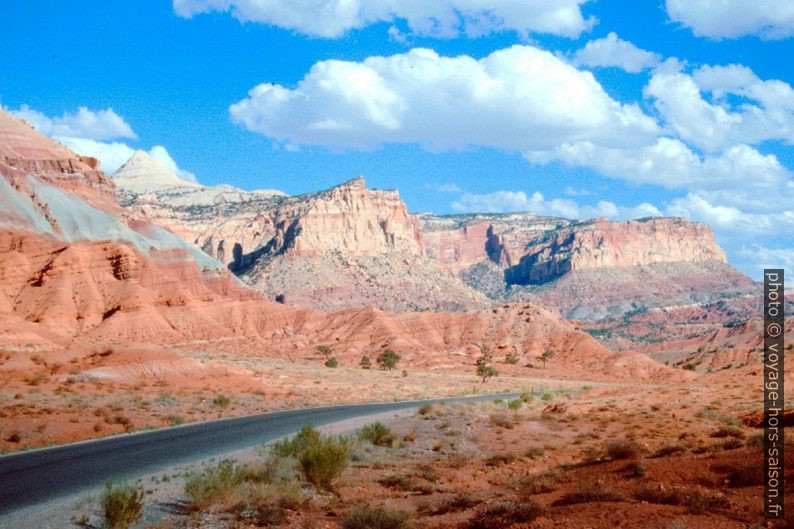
x,y
331,362
365,363
511,358
122,505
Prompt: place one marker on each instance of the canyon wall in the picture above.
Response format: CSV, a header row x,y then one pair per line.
x,y
604,244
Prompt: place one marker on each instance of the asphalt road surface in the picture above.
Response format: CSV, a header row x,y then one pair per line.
x,y
28,478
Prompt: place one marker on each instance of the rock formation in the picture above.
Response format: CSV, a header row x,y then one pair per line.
x,y
352,246
79,274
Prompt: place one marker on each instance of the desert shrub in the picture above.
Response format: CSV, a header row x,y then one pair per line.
x,y
501,458
668,450
637,471
526,396
547,396
213,484
501,419
460,502
324,350
515,404
175,420
716,416
122,505
387,359
291,447
405,483
693,500
531,485
511,358
323,462
506,513
588,494
221,401
331,362
623,450
365,363
376,518
377,433
729,431
424,409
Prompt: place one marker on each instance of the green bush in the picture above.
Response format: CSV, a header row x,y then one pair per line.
x,y
511,358
376,518
365,363
515,404
323,462
292,447
387,359
122,505
331,362
377,433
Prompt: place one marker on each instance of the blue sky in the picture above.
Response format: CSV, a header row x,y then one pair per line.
x,y
566,107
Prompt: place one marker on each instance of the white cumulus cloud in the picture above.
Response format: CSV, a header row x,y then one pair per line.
x,y
511,201
521,98
94,125
436,18
718,19
611,51
766,111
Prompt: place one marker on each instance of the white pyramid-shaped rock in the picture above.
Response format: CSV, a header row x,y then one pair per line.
x,y
143,174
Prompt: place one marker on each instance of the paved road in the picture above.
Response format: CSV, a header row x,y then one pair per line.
x,y
28,478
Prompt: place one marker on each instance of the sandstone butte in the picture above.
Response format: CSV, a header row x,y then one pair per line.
x,y
79,274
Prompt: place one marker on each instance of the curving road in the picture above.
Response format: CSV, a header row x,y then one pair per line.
x,y
27,478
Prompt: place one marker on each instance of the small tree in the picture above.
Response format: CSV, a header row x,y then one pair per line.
x,y
365,363
484,367
388,359
547,355
324,350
